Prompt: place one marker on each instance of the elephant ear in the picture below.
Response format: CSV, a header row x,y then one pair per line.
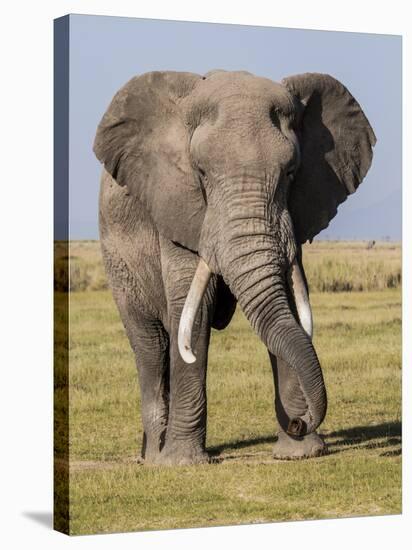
x,y
336,142
143,143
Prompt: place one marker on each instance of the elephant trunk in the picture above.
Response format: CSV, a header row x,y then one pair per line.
x,y
269,313
262,295
255,252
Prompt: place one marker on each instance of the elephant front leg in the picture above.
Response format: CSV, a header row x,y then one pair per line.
x,y
290,403
150,343
186,429
152,359
155,410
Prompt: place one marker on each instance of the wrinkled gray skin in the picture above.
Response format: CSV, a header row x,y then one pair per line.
x,y
239,171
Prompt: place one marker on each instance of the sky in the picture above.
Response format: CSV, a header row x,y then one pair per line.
x,y
105,52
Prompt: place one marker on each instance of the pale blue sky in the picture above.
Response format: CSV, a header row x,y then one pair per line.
x,y
105,52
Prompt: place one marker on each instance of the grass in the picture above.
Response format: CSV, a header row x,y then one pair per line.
x,y
358,339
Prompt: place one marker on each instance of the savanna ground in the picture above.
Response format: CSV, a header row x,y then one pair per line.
x,y
356,300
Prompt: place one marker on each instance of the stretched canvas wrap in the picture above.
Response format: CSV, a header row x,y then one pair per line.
x,y
227,274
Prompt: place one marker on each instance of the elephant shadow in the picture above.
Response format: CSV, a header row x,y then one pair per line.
x,y
386,436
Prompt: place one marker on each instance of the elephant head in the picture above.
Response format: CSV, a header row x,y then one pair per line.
x,y
242,170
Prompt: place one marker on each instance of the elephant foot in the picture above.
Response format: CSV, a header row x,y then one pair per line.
x,y
149,458
181,454
151,448
295,448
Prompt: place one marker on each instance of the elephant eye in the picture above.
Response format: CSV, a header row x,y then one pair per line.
x,y
202,183
274,117
203,176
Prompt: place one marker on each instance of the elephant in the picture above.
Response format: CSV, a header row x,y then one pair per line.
x,y
210,186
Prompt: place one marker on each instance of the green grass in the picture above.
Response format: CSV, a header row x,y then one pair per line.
x,y
358,339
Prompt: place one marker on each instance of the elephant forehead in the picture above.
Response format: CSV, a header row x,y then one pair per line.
x,y
225,87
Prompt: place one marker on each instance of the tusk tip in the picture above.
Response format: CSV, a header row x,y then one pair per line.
x,y
307,326
187,354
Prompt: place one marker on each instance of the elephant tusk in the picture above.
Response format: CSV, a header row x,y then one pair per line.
x,y
190,309
298,288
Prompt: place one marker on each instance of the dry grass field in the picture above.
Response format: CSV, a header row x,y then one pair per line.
x,y
356,299
331,266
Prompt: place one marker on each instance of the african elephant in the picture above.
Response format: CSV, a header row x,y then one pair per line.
x,y
210,186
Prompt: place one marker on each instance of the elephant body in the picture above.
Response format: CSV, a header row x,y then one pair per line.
x,y
210,186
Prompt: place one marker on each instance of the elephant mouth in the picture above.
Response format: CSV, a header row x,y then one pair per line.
x,y
198,288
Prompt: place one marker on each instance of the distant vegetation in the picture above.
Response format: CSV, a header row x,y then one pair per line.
x,y
343,266
331,266
83,262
